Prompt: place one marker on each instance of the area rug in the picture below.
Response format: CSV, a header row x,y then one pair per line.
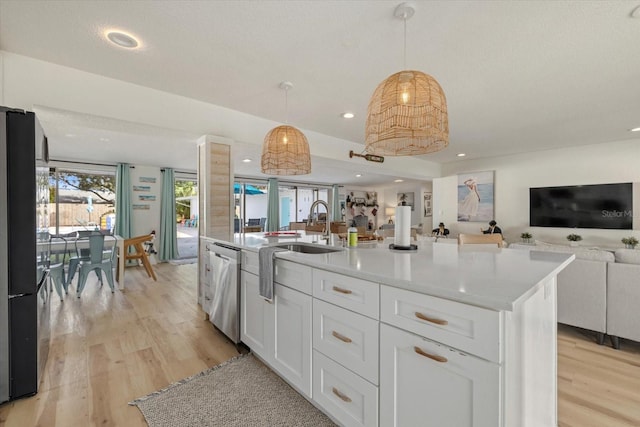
x,y
240,392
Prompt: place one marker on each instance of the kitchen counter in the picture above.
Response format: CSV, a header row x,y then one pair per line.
x,y
494,278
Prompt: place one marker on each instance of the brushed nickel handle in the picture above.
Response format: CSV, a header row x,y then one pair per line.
x,y
341,395
431,319
341,337
342,290
269,301
421,352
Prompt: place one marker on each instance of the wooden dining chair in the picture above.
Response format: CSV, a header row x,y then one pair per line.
x,y
139,254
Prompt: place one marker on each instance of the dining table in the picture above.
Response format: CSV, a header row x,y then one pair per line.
x,y
109,241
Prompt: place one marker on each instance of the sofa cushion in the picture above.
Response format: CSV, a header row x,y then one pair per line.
x,y
581,253
595,255
628,256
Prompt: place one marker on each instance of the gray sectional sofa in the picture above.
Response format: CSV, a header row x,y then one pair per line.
x,y
599,290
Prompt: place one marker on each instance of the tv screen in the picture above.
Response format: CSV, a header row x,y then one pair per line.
x,y
607,206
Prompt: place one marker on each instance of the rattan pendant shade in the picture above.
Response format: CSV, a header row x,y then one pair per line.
x,y
286,152
407,116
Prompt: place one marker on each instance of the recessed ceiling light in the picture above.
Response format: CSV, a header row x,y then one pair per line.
x,y
461,154
348,115
358,175
635,130
70,135
399,180
246,160
122,39
104,139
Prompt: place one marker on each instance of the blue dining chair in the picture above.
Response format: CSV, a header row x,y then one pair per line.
x,y
96,262
57,256
81,254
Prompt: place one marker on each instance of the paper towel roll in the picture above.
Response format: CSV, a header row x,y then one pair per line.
x,y
403,226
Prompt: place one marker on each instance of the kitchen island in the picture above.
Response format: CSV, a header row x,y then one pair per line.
x,y
445,335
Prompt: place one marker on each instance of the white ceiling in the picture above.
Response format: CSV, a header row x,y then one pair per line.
x,y
518,75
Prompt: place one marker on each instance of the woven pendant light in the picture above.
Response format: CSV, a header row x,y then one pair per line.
x,y
286,150
407,114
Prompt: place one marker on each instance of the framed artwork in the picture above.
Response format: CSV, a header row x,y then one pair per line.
x,y
363,206
475,196
141,188
147,179
406,199
428,207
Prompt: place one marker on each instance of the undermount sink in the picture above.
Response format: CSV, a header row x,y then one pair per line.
x,y
308,248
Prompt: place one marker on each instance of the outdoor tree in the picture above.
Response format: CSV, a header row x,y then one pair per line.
x,y
184,189
102,186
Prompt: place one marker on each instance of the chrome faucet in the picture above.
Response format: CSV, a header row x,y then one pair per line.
x,y
327,229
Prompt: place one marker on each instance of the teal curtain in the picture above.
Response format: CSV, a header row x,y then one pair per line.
x,y
336,214
168,242
123,201
273,206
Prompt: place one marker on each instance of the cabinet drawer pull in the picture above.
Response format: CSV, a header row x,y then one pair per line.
x,y
342,290
342,396
421,352
431,319
341,337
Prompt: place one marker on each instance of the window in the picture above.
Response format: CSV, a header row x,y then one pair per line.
x,y
81,200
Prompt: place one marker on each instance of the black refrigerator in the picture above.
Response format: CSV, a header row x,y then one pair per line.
x,y
24,297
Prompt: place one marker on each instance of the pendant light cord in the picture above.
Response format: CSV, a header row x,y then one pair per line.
x,y
286,106
405,41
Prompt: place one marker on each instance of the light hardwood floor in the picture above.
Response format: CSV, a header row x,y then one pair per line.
x,y
108,349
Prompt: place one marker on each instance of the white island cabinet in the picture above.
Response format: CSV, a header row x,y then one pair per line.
x,y
426,380
444,336
279,331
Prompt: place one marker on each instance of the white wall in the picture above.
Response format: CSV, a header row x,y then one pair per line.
x,y
143,221
612,162
390,198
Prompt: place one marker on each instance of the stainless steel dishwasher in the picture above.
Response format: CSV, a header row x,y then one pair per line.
x,y
222,290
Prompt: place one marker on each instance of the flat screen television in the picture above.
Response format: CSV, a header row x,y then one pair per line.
x,y
606,206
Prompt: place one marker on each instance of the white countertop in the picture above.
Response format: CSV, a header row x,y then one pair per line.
x,y
493,278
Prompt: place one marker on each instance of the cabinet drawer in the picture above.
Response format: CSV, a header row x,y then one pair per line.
x,y
354,294
250,262
347,397
292,275
346,337
471,329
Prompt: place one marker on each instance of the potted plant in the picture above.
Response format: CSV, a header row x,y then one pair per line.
x,y
574,239
630,242
526,237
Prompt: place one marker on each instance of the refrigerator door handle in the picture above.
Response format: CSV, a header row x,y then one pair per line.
x,y
40,284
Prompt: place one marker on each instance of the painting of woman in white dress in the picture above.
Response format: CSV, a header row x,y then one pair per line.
x,y
475,196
